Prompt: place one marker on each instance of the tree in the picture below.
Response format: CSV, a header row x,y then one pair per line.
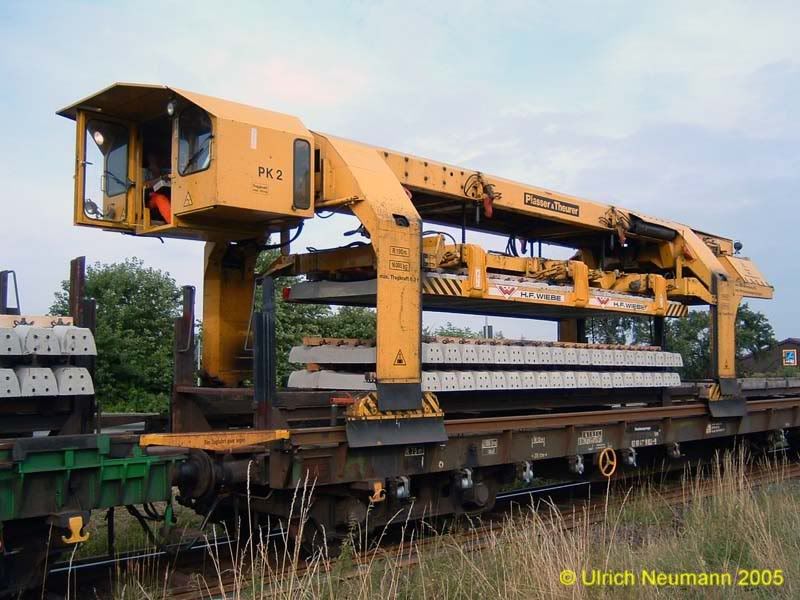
x,y
136,307
753,332
619,329
350,322
450,330
608,330
688,336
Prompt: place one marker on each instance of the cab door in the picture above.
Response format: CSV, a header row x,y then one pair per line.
x,y
105,172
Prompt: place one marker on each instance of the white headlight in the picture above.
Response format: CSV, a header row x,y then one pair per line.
x,y
98,138
171,108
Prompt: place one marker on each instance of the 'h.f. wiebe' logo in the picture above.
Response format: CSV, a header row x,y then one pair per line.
x,y
506,290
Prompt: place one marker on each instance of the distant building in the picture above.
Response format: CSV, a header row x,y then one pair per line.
x,y
775,359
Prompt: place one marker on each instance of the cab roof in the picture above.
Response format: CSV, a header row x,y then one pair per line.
x,y
141,102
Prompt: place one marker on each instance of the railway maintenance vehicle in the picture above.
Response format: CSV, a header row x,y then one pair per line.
x,y
403,423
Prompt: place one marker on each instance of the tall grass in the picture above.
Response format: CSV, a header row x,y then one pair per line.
x,y
732,525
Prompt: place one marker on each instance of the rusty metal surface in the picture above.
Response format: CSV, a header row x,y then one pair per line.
x,y
493,442
599,417
77,289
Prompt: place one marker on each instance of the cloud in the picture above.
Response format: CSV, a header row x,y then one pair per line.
x,y
683,110
692,62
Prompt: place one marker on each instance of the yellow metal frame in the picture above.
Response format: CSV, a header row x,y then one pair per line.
x,y
228,285
80,218
219,441
395,228
388,192
366,408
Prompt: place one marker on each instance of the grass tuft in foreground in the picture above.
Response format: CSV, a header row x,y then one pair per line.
x,y
733,526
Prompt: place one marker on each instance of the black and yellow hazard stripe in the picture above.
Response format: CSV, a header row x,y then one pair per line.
x,y
676,309
714,392
441,286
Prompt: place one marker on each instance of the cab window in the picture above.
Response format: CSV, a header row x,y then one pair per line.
x,y
302,174
194,140
105,171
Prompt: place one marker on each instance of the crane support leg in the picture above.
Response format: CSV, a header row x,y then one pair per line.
x,y
393,224
726,399
397,412
227,306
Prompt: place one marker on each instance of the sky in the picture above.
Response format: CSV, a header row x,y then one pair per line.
x,y
683,110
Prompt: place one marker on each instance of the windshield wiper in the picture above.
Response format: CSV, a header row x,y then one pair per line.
x,y
197,153
126,184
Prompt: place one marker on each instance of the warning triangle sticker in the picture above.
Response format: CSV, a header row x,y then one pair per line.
x,y
188,200
399,360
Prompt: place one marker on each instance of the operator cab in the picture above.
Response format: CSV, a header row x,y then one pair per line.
x,y
156,168
153,160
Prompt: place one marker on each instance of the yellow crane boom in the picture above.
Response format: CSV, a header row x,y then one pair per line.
x,y
232,174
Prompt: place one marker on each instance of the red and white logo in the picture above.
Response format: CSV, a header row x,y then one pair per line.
x,y
602,301
506,290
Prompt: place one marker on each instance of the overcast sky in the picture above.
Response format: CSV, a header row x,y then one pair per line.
x,y
685,110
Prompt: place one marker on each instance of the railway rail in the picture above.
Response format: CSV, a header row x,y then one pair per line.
x,y
99,571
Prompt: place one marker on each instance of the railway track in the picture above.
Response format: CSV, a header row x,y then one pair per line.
x,y
568,514
97,572
770,414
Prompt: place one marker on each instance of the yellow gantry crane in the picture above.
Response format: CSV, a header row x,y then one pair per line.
x,y
153,160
